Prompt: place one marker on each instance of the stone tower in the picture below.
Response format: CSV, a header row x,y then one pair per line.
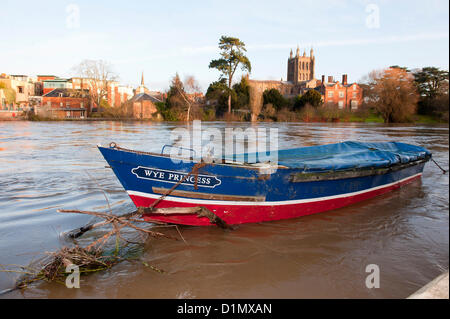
x,y
301,68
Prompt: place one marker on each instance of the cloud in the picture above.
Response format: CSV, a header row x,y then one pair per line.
x,y
360,41
207,49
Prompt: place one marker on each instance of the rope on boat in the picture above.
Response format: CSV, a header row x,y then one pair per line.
x,y
114,145
443,170
201,211
194,171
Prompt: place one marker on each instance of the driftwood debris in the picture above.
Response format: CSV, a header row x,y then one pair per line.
x,y
198,210
94,257
130,217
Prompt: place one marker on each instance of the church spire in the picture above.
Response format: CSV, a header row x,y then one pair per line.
x,y
142,88
290,55
298,51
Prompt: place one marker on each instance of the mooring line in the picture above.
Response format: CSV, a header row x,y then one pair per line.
x,y
443,170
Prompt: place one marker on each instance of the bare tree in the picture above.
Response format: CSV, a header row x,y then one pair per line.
x,y
191,85
96,75
393,94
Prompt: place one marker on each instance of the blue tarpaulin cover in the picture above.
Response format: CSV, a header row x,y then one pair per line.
x,y
341,156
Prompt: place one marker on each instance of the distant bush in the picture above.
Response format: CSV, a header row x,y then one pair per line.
x,y
286,115
274,97
311,97
166,113
308,113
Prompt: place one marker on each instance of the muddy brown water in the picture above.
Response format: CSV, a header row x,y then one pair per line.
x,y
49,165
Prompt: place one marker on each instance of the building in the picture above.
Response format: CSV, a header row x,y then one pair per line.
x,y
3,104
343,94
23,87
301,78
29,91
301,68
65,103
116,94
39,83
143,104
56,83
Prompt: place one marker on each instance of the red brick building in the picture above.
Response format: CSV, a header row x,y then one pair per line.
x,y
65,103
143,106
343,94
116,94
300,79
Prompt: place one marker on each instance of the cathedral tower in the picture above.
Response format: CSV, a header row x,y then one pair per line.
x,y
301,68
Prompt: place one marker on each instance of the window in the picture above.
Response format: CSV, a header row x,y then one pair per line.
x,y
354,86
82,105
341,93
341,104
20,89
330,93
354,95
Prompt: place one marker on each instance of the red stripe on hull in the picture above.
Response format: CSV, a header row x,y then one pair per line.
x,y
237,214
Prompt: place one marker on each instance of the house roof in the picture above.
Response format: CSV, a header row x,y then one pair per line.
x,y
145,97
330,84
57,80
67,93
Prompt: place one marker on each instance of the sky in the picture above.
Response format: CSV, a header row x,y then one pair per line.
x,y
161,38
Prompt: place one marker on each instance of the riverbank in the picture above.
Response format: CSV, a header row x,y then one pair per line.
x,y
418,119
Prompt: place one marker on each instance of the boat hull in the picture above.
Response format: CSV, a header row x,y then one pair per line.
x,y
241,195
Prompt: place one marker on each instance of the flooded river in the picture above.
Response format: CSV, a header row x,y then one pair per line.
x,y
45,166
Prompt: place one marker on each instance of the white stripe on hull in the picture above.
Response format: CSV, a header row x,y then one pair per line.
x,y
274,203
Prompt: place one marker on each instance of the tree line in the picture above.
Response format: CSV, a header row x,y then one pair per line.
x,y
398,94
395,94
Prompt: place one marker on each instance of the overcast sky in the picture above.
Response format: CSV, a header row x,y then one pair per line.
x,y
165,37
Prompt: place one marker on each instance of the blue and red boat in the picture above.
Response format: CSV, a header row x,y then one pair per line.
x,y
245,189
